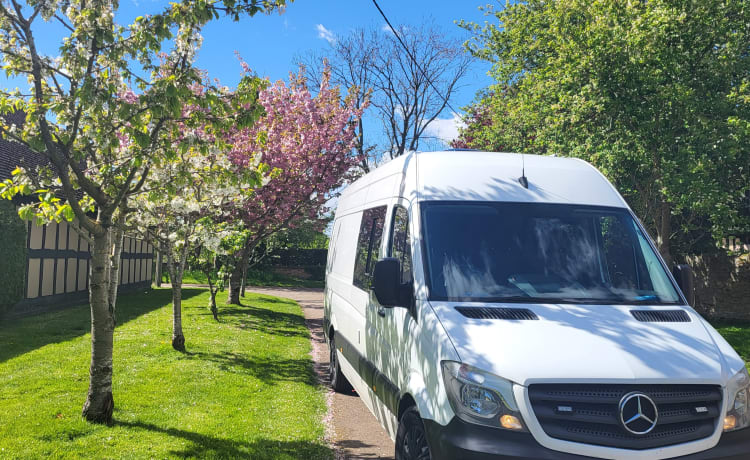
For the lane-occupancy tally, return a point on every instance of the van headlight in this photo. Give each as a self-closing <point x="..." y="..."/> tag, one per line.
<point x="480" y="397"/>
<point x="738" y="391"/>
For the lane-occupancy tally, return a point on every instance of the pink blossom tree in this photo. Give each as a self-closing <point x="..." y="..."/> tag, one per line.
<point x="308" y="140"/>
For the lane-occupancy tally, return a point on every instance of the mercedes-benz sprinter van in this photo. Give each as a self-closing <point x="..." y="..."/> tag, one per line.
<point x="491" y="305"/>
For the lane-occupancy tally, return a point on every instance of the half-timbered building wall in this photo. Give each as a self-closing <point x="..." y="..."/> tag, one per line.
<point x="57" y="268"/>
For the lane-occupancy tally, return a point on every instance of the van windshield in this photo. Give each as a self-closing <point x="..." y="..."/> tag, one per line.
<point x="546" y="253"/>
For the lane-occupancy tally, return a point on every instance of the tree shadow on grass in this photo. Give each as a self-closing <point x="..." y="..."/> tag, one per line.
<point x="266" y="299"/>
<point x="269" y="370"/>
<point x="203" y="446"/>
<point x="264" y="320"/>
<point x="22" y="335"/>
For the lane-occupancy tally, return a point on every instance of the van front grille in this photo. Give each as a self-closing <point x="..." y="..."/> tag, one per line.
<point x="590" y="413"/>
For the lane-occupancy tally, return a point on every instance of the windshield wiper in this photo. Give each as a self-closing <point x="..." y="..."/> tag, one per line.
<point x="648" y="302"/>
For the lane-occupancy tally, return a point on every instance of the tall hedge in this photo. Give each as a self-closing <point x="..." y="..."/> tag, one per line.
<point x="12" y="256"/>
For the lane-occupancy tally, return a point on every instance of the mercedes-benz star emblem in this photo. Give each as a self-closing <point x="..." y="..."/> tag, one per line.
<point x="638" y="413"/>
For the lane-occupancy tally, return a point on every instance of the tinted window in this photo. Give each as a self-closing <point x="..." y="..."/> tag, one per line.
<point x="368" y="246"/>
<point x="401" y="242"/>
<point x="541" y="253"/>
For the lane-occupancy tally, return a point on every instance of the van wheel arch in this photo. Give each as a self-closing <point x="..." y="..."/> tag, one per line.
<point x="406" y="402"/>
<point x="411" y="437"/>
<point x="336" y="377"/>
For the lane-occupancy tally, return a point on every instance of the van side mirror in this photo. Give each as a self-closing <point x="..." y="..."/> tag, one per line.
<point x="684" y="276"/>
<point x="386" y="281"/>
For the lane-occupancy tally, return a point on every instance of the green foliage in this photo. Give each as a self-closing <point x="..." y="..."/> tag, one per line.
<point x="245" y="390"/>
<point x="13" y="260"/>
<point x="307" y="234"/>
<point x="654" y="93"/>
<point x="110" y="105"/>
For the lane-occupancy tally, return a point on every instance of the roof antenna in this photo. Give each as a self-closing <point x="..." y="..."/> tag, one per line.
<point x="523" y="180"/>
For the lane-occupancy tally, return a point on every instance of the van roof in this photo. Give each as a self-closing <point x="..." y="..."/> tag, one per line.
<point x="485" y="176"/>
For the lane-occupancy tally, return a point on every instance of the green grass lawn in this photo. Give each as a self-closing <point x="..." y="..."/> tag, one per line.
<point x="259" y="277"/>
<point x="245" y="389"/>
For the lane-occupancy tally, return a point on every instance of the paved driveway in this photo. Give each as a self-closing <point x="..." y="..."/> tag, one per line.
<point x="353" y="430"/>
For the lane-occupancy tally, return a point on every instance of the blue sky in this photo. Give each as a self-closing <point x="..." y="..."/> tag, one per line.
<point x="270" y="43"/>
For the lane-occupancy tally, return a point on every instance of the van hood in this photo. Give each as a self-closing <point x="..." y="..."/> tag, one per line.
<point x="590" y="343"/>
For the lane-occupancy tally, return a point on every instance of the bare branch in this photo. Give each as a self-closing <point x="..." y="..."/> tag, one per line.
<point x="64" y="23"/>
<point x="410" y="88"/>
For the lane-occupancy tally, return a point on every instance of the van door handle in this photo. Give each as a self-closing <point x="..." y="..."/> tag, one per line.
<point x="381" y="311"/>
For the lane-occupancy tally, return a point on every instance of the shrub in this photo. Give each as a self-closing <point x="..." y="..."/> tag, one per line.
<point x="296" y="257"/>
<point x="13" y="259"/>
<point x="316" y="272"/>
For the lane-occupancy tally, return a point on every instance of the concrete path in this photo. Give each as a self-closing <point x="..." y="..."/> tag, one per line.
<point x="353" y="430"/>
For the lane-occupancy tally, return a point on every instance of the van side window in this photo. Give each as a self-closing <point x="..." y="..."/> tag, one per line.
<point x="332" y="245"/>
<point x="368" y="246"/>
<point x="401" y="242"/>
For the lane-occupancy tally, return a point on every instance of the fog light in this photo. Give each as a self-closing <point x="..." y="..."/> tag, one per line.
<point x="511" y="422"/>
<point x="730" y="421"/>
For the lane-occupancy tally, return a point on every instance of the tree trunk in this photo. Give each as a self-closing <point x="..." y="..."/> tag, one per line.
<point x="235" y="279"/>
<point x="212" y="300"/>
<point x="158" y="268"/>
<point x="664" y="232"/>
<point x="99" y="403"/>
<point x="178" y="338"/>
<point x="117" y="234"/>
<point x="244" y="280"/>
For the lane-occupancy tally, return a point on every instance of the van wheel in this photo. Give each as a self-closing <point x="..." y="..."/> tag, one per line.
<point x="411" y="439"/>
<point x="338" y="381"/>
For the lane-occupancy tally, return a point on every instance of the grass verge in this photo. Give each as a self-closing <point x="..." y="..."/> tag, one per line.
<point x="245" y="389"/>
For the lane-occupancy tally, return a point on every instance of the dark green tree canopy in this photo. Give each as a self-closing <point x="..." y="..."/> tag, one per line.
<point x="654" y="93"/>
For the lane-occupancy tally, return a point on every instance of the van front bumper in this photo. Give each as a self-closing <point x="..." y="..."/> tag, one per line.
<point x="461" y="440"/>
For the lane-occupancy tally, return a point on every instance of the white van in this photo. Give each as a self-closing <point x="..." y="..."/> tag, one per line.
<point x="491" y="305"/>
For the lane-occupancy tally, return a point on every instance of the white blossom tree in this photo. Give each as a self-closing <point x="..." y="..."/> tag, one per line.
<point x="101" y="140"/>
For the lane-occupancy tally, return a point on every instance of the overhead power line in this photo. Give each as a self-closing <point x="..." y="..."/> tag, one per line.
<point x="411" y="56"/>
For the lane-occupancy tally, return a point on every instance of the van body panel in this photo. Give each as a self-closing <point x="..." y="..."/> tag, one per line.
<point x="602" y="343"/>
<point x="391" y="353"/>
<point x="484" y="176"/>
<point x="732" y="362"/>
<point x="428" y="349"/>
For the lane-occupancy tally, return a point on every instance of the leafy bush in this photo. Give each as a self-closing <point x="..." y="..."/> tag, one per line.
<point x="13" y="259"/>
<point x="296" y="257"/>
<point x="316" y="272"/>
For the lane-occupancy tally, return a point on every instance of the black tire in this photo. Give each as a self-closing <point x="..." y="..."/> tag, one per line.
<point x="339" y="383"/>
<point x="411" y="438"/>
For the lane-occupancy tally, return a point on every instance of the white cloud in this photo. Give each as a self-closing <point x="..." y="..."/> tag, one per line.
<point x="445" y="129"/>
<point x="325" y="34"/>
<point x="386" y="28"/>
